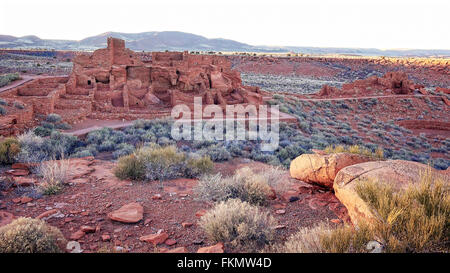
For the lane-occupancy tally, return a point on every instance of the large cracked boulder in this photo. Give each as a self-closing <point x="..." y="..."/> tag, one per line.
<point x="322" y="168"/>
<point x="398" y="173"/>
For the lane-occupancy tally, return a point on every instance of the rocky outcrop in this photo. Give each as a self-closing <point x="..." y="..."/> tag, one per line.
<point x="322" y="168"/>
<point x="398" y="173"/>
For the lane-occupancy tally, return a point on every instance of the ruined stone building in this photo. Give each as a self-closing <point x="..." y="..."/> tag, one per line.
<point x="116" y="83"/>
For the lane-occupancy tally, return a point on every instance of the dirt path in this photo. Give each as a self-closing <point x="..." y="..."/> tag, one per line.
<point x="90" y="125"/>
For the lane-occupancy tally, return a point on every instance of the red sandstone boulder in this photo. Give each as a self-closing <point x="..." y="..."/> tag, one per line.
<point x="77" y="235"/>
<point x="130" y="213"/>
<point x="322" y="169"/>
<point x="201" y="212"/>
<point x="217" y="248"/>
<point x="446" y="101"/>
<point x="443" y="90"/>
<point x="155" y="239"/>
<point x="47" y="214"/>
<point x="398" y="173"/>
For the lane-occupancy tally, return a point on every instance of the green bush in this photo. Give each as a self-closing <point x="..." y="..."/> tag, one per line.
<point x="197" y="166"/>
<point x="9" y="148"/>
<point x="130" y="167"/>
<point x="27" y="235"/>
<point x="18" y="105"/>
<point x="53" y="118"/>
<point x="3" y="111"/>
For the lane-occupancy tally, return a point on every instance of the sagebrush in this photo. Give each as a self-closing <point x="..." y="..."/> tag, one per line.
<point x="28" y="235"/>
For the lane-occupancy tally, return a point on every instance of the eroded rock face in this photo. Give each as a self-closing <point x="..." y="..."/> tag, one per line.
<point x="130" y="213"/>
<point x="322" y="169"/>
<point x="399" y="173"/>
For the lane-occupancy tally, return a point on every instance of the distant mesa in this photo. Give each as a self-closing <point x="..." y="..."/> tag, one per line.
<point x="180" y="41"/>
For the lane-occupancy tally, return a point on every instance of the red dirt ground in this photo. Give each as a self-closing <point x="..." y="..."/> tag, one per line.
<point x="94" y="191"/>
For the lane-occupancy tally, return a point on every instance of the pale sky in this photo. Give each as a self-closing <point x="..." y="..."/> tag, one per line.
<point x="323" y="23"/>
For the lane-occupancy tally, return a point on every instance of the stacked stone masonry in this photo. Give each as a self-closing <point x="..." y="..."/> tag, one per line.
<point x="116" y="83"/>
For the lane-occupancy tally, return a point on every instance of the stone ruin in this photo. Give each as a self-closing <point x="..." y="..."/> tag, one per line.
<point x="117" y="83"/>
<point x="392" y="82"/>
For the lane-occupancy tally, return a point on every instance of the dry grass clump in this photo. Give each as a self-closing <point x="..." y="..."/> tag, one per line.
<point x="240" y="224"/>
<point x="322" y="238"/>
<point x="130" y="167"/>
<point x="54" y="174"/>
<point x="354" y="149"/>
<point x="245" y="185"/>
<point x="414" y="220"/>
<point x="28" y="235"/>
<point x="9" y="148"/>
<point x="306" y="240"/>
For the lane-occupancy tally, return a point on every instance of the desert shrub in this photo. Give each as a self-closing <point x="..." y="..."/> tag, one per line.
<point x="5" y="79"/>
<point x="53" y="118"/>
<point x="198" y="165"/>
<point x="264" y="157"/>
<point x="9" y="148"/>
<point x="355" y="149"/>
<point x="130" y="167"/>
<point x="42" y="131"/>
<point x="123" y="149"/>
<point x="54" y="175"/>
<point x="238" y="223"/>
<point x="82" y="153"/>
<point x="62" y="126"/>
<point x="245" y="185"/>
<point x="217" y="153"/>
<point x="31" y="148"/>
<point x="48" y="125"/>
<point x="3" y="111"/>
<point x="413" y="220"/>
<point x="441" y="163"/>
<point x="306" y="240"/>
<point x="34" y="148"/>
<point x="346" y="239"/>
<point x="18" y="105"/>
<point x="106" y="146"/>
<point x="323" y="238"/>
<point x="161" y="163"/>
<point x="28" y="235"/>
